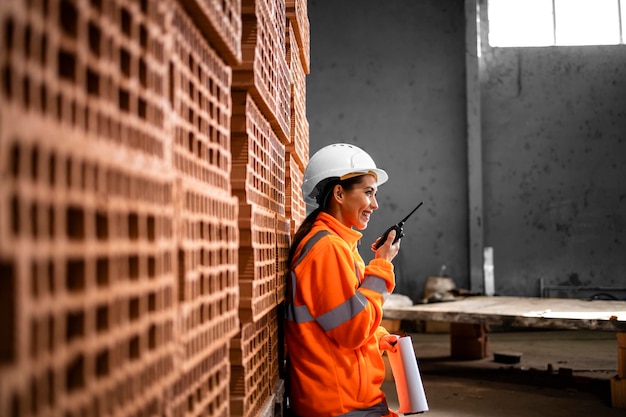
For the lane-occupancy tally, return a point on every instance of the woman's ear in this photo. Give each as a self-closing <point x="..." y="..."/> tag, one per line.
<point x="338" y="193"/>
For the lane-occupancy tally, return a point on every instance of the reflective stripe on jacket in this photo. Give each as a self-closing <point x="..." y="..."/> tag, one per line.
<point x="333" y="313"/>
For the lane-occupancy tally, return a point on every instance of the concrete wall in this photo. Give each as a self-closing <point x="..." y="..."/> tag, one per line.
<point x="554" y="142"/>
<point x="390" y="77"/>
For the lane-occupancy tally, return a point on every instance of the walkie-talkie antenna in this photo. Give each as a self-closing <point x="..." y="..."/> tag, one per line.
<point x="397" y="228"/>
<point x="409" y="215"/>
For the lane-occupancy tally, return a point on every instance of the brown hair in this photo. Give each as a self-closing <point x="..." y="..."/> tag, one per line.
<point x="322" y="200"/>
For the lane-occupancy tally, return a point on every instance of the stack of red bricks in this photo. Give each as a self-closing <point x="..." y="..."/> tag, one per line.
<point x="206" y="209"/>
<point x="264" y="144"/>
<point x="152" y="155"/>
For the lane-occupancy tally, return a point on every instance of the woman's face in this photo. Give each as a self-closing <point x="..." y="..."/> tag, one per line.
<point x="357" y="204"/>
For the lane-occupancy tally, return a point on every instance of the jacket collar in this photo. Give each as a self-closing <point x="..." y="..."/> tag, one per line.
<point x="348" y="234"/>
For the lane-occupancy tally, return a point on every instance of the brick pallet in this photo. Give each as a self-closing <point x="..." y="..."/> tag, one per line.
<point x="152" y="159"/>
<point x="257" y="262"/>
<point x="283" y="242"/>
<point x="201" y="104"/>
<point x="264" y="72"/>
<point x="87" y="211"/>
<point x="298" y="146"/>
<point x="254" y="360"/>
<point x="297" y="14"/>
<point x="220" y="23"/>
<point x="258" y="169"/>
<point x="202" y="387"/>
<point x="295" y="207"/>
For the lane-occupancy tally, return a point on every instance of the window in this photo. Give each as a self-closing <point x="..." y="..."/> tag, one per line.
<point x="556" y="22"/>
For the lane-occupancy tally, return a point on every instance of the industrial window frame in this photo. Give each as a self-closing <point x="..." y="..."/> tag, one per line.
<point x="502" y="24"/>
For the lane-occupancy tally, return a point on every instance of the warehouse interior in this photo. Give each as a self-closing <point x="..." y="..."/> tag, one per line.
<point x="152" y="154"/>
<point x="515" y="149"/>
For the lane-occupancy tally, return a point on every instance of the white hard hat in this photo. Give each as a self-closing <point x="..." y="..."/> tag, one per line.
<point x="337" y="161"/>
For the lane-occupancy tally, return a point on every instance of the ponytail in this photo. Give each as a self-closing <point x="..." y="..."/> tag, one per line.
<point x="322" y="201"/>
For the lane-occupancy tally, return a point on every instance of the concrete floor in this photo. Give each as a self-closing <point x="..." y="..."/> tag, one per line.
<point x="561" y="373"/>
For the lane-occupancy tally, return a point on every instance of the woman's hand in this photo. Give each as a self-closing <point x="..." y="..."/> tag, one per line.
<point x="388" y="250"/>
<point x="388" y="342"/>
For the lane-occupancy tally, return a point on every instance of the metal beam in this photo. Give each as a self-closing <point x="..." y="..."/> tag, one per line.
<point x="474" y="144"/>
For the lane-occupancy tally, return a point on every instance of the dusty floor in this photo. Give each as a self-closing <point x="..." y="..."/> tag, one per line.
<point x="561" y="373"/>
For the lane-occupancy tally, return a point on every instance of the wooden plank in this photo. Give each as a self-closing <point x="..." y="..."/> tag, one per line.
<point x="553" y="313"/>
<point x="621" y="355"/>
<point x="618" y="392"/>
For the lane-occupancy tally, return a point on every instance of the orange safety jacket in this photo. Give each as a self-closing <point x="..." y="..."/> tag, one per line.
<point x="332" y="326"/>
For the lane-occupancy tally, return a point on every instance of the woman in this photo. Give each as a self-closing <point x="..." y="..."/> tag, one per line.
<point x="334" y="301"/>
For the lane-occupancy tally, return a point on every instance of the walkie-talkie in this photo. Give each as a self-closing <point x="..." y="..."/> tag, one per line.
<point x="397" y="228"/>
